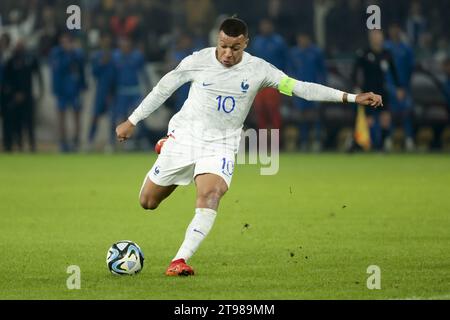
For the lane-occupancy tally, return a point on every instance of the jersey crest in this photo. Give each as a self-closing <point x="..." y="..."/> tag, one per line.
<point x="244" y="86"/>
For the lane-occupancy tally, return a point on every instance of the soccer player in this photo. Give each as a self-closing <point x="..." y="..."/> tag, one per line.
<point x="204" y="135"/>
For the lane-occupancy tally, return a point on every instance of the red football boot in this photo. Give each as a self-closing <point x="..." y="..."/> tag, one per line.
<point x="179" y="268"/>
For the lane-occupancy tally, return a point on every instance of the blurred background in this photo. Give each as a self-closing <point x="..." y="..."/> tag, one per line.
<point x="66" y="90"/>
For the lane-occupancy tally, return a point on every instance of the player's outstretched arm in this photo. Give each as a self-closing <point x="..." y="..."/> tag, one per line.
<point x="163" y="90"/>
<point x="317" y="92"/>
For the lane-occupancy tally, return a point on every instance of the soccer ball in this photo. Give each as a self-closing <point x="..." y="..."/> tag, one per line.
<point x="125" y="258"/>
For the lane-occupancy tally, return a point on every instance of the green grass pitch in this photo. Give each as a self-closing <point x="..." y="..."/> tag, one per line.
<point x="312" y="230"/>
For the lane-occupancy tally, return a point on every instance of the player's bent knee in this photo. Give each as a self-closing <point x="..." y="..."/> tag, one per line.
<point x="148" y="203"/>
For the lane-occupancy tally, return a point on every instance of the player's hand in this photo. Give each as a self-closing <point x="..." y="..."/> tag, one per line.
<point x="124" y="130"/>
<point x="369" y="99"/>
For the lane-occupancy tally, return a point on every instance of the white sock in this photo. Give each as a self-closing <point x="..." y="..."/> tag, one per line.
<point x="197" y="230"/>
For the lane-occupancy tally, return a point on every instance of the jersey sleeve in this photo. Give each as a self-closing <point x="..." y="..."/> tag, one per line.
<point x="273" y="76"/>
<point x="163" y="90"/>
<point x="277" y="79"/>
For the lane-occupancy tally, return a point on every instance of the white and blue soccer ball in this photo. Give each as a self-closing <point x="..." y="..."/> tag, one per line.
<point x="125" y="258"/>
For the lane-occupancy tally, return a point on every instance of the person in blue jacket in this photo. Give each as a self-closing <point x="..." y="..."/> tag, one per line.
<point x="129" y="64"/>
<point x="68" y="82"/>
<point x="103" y="71"/>
<point x="401" y="109"/>
<point x="306" y="62"/>
<point x="271" y="47"/>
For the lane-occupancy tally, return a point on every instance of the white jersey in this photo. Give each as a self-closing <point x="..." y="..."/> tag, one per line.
<point x="219" y="98"/>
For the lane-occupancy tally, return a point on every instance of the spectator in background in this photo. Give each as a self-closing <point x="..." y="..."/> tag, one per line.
<point x="370" y="74"/>
<point x="19" y="27"/>
<point x="158" y="26"/>
<point x="104" y="73"/>
<point x="446" y="67"/>
<point x="129" y="64"/>
<point x="343" y="18"/>
<point x="199" y="14"/>
<point x="416" y="23"/>
<point x="401" y="110"/>
<point x="271" y="47"/>
<point x="289" y="16"/>
<point x="68" y="78"/>
<point x="124" y="23"/>
<point x="442" y="50"/>
<point x="424" y="50"/>
<point x="306" y="63"/>
<point x="5" y="53"/>
<point x="18" y="110"/>
<point x="47" y="31"/>
<point x="98" y="28"/>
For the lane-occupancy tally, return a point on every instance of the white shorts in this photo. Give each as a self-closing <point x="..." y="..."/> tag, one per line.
<point x="180" y="162"/>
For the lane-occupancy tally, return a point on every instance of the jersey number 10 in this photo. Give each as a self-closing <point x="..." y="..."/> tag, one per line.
<point x="227" y="103"/>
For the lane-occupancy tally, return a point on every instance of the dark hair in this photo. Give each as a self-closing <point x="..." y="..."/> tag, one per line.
<point x="234" y="27"/>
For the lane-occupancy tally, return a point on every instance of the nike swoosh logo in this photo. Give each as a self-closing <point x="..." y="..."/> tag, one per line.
<point x="206" y="84"/>
<point x="195" y="230"/>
